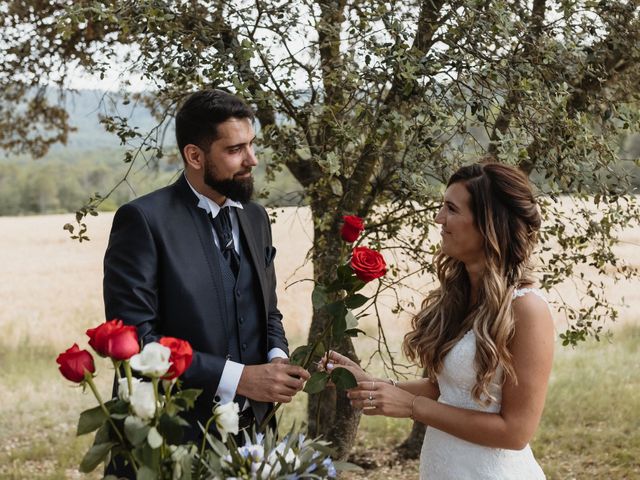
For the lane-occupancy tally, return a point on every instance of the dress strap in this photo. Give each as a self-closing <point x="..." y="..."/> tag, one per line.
<point x="521" y="292"/>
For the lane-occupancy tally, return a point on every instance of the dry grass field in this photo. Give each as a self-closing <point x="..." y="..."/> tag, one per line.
<point x="50" y="293"/>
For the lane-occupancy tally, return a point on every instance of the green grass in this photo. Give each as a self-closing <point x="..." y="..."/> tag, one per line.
<point x="591" y="423"/>
<point x="590" y="427"/>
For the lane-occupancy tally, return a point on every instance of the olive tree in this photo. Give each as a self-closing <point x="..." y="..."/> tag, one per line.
<point x="370" y="105"/>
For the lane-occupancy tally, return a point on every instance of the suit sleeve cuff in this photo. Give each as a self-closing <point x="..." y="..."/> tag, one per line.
<point x="229" y="382"/>
<point x="276" y="353"/>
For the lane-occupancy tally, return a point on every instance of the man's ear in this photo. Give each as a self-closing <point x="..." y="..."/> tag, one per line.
<point x="193" y="156"/>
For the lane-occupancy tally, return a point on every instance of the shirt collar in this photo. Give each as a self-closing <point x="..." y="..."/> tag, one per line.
<point x="209" y="205"/>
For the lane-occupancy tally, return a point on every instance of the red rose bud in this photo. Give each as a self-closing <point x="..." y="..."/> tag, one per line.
<point x="114" y="339"/>
<point x="351" y="228"/>
<point x="181" y="356"/>
<point x="367" y="264"/>
<point x="74" y="362"/>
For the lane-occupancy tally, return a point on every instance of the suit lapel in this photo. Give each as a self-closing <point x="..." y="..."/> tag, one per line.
<point x="204" y="233"/>
<point x="256" y="255"/>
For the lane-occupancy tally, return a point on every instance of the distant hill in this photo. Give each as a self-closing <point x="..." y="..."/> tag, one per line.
<point x="92" y="162"/>
<point x="85" y="106"/>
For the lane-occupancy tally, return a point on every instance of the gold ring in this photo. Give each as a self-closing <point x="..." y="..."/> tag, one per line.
<point x="371" y="402"/>
<point x="370" y="396"/>
<point x="373" y="385"/>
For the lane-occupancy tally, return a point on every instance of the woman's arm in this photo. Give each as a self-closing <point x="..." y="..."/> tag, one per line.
<point x="522" y="403"/>
<point x="422" y="387"/>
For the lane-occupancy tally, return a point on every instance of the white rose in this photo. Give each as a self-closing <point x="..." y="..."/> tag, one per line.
<point x="123" y="388"/>
<point x="227" y="417"/>
<point x="143" y="401"/>
<point x="152" y="361"/>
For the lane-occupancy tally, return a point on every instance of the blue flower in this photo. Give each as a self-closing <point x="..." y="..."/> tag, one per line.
<point x="331" y="469"/>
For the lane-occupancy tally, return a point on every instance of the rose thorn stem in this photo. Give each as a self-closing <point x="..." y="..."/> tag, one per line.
<point x="89" y="379"/>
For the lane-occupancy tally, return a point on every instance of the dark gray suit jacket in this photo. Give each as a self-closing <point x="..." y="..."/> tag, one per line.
<point x="161" y="275"/>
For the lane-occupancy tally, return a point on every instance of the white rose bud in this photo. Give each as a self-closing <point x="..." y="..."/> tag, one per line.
<point x="152" y="361"/>
<point x="143" y="401"/>
<point x="123" y="388"/>
<point x="227" y="418"/>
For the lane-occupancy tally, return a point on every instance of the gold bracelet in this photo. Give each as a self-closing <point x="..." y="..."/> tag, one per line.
<point x="412" y="416"/>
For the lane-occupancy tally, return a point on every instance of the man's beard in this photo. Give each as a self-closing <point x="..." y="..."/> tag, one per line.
<point x="237" y="189"/>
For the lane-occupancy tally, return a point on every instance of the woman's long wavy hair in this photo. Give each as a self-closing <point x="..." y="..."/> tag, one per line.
<point x="506" y="214"/>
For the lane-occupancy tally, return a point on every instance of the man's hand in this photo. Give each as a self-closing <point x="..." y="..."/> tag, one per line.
<point x="272" y="382"/>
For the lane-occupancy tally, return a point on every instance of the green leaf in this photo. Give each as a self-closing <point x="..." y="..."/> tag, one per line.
<point x="336" y="309"/>
<point x="91" y="420"/>
<point x="187" y="398"/>
<point x="347" y="467"/>
<point x="345" y="273"/>
<point x="354" y="332"/>
<point x="317" y="382"/>
<point x="146" y="473"/>
<point x="357" y="285"/>
<point x="346" y="280"/>
<point x="356" y="301"/>
<point x="343" y="378"/>
<point x="171" y="428"/>
<point x="103" y="435"/>
<point x="338" y="327"/>
<point x="135" y="430"/>
<point x="95" y="455"/>
<point x="319" y="297"/>
<point x="299" y="354"/>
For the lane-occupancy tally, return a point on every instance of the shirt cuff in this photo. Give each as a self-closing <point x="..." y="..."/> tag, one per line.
<point x="276" y="353"/>
<point x="229" y="381"/>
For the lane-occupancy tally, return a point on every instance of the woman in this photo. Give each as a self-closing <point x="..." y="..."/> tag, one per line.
<point x="484" y="337"/>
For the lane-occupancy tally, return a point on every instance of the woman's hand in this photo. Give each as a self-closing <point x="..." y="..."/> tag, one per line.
<point x="381" y="398"/>
<point x="334" y="359"/>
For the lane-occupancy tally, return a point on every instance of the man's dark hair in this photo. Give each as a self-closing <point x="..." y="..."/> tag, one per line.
<point x="198" y="118"/>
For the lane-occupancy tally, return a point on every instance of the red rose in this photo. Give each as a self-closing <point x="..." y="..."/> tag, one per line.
<point x="74" y="362"/>
<point x="181" y="356"/>
<point x="114" y="339"/>
<point x="368" y="264"/>
<point x="351" y="228"/>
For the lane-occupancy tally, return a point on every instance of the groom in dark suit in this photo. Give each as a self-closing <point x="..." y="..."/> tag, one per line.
<point x="194" y="260"/>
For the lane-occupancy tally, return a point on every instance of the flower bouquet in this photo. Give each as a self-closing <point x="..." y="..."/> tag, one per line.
<point x="264" y="457"/>
<point x="142" y="424"/>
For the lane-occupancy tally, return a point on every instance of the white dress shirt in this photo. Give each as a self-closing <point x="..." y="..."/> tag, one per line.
<point x="232" y="370"/>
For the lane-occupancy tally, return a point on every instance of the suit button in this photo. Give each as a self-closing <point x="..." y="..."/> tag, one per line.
<point x="237" y="293"/>
<point x="216" y="399"/>
<point x="241" y="320"/>
<point x="244" y="346"/>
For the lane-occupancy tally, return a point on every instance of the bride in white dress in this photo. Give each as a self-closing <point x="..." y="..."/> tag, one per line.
<point x="484" y="337"/>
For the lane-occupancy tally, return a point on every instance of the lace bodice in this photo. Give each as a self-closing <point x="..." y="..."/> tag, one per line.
<point x="447" y="457"/>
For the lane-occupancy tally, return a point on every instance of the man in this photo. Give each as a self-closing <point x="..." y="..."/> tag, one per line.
<point x="194" y="260"/>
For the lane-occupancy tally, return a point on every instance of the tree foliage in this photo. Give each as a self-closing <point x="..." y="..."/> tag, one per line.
<point x="371" y="105"/>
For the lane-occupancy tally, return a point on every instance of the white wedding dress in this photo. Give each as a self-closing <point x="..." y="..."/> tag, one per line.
<point x="445" y="457"/>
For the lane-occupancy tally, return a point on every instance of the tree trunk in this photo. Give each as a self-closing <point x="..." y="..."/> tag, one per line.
<point x="329" y="412"/>
<point x="410" y="448"/>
